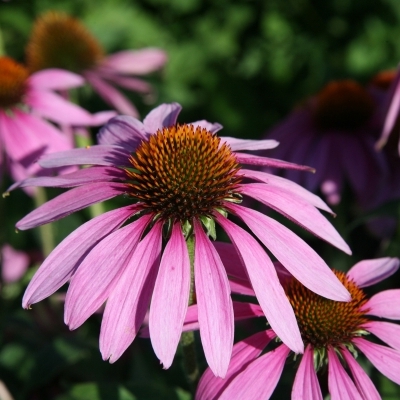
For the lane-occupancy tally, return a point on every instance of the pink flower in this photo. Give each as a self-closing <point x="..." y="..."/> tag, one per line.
<point x="14" y="264"/>
<point x="182" y="179"/>
<point x="53" y="45"/>
<point x="331" y="332"/>
<point x="26" y="101"/>
<point x="335" y="132"/>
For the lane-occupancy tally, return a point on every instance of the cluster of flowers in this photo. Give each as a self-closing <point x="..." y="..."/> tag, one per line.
<point x="152" y="261"/>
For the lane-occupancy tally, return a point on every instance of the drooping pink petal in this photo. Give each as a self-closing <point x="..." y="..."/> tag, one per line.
<point x="244" y="352"/>
<point x="162" y="116"/>
<point x="297" y="210"/>
<point x="385" y="304"/>
<point x="232" y="262"/>
<point x="124" y="131"/>
<point x="81" y="177"/>
<point x="288" y="185"/>
<point x="386" y="331"/>
<point x="259" y="379"/>
<point x="55" y="79"/>
<point x="251" y="159"/>
<point x="170" y="298"/>
<point x="14" y="263"/>
<point x="69" y="202"/>
<point x="111" y="95"/>
<point x="212" y="127"/>
<point x="62" y="262"/>
<point x="100" y="272"/>
<point x="137" y="62"/>
<point x="306" y="385"/>
<point x="99" y="118"/>
<point x="106" y="155"/>
<point x="363" y="382"/>
<point x="368" y="272"/>
<point x="294" y="254"/>
<point x="129" y="300"/>
<point x="341" y="387"/>
<point x="384" y="359"/>
<point x="214" y="303"/>
<point x="249" y="144"/>
<point x="127" y="82"/>
<point x="266" y="285"/>
<point x="241" y="287"/>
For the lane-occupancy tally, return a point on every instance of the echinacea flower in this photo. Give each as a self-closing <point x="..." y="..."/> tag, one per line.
<point x="181" y="178"/>
<point x="335" y="132"/>
<point x="331" y="332"/>
<point x="26" y="101"/>
<point x="61" y="41"/>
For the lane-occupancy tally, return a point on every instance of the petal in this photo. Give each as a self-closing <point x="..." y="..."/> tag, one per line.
<point x="162" y="116"/>
<point x="69" y="202"/>
<point x="266" y="285"/>
<point x="241" y="287"/>
<point x="259" y="379"/>
<point x="214" y="303"/>
<point x="136" y="62"/>
<point x="210" y="126"/>
<point x="297" y="210"/>
<point x="288" y="185"/>
<point x="62" y="262"/>
<point x="170" y="298"/>
<point x="385" y="304"/>
<point x="100" y="271"/>
<point x="368" y="272"/>
<point x="270" y="162"/>
<point x="128" y="303"/>
<point x="341" y="387"/>
<point x="244" y="352"/>
<point x="384" y="359"/>
<point x="134" y="84"/>
<point x="124" y="131"/>
<point x="386" y="331"/>
<point x="92" y="155"/>
<point x="231" y="260"/>
<point x="306" y="385"/>
<point x="248" y="144"/>
<point x="14" y="264"/>
<point x="55" y="79"/>
<point x="294" y="254"/>
<point x="362" y="380"/>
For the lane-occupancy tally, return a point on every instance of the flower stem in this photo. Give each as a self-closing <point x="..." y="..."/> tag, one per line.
<point x="187" y="339"/>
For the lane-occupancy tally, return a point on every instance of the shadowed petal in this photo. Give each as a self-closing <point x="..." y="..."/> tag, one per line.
<point x="55" y="79"/>
<point x="385" y="304"/>
<point x="361" y="379"/>
<point x="128" y="303"/>
<point x="251" y="384"/>
<point x="297" y="210"/>
<point x="248" y="144"/>
<point x="170" y="298"/>
<point x="212" y="127"/>
<point x="244" y="352"/>
<point x="214" y="303"/>
<point x="100" y="271"/>
<point x="127" y="82"/>
<point x="266" y="285"/>
<point x="62" y="262"/>
<point x="306" y="385"/>
<point x="162" y="116"/>
<point x="232" y="262"/>
<point x="384" y="359"/>
<point x="386" y="331"/>
<point x="69" y="202"/>
<point x="368" y="272"/>
<point x="294" y="254"/>
<point x="341" y="387"/>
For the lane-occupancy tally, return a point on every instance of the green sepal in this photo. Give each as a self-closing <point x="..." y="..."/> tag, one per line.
<point x="209" y="224"/>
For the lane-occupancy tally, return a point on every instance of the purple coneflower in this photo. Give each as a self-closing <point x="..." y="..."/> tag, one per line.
<point x="61" y="41"/>
<point x="181" y="178"/>
<point x="335" y="132"/>
<point x="331" y="332"/>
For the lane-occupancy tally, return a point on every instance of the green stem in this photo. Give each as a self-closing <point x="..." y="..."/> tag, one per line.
<point x="46" y="231"/>
<point x="187" y="339"/>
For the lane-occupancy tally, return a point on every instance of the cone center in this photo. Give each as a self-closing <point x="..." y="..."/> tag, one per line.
<point x="13" y="78"/>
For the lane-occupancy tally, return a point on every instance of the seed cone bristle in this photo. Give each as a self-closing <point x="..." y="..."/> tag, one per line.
<point x="13" y="78"/>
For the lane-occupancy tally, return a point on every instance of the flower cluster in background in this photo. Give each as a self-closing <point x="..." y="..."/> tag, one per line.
<point x="158" y="258"/>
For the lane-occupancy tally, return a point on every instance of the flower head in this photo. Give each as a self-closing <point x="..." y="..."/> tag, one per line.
<point x="335" y="132"/>
<point x="61" y="41"/>
<point x="331" y="332"/>
<point x="181" y="179"/>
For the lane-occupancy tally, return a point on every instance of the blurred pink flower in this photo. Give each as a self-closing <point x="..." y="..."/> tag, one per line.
<point x="14" y="264"/>
<point x="331" y="332"/>
<point x="182" y="179"/>
<point x="26" y="101"/>
<point x="335" y="132"/>
<point x="53" y="45"/>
